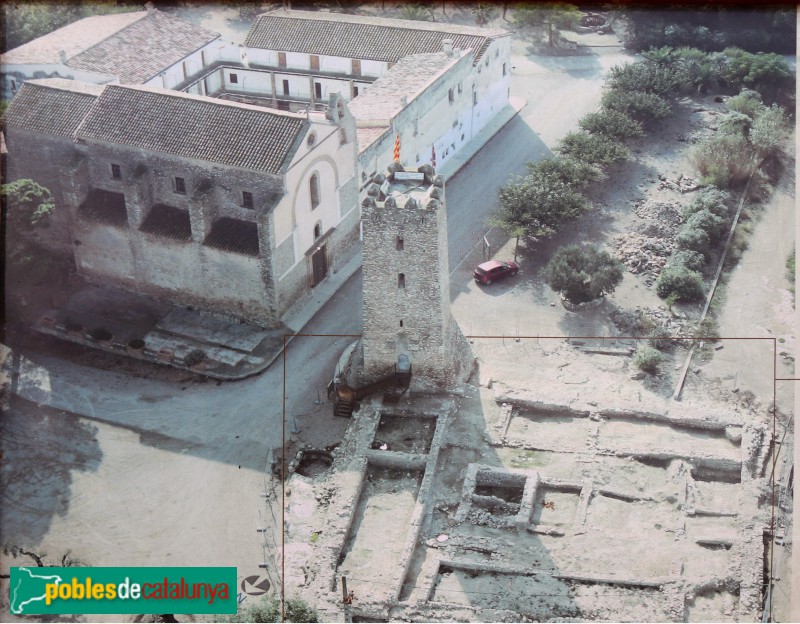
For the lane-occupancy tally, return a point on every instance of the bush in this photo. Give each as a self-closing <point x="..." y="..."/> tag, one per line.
<point x="712" y="200"/>
<point x="644" y="107"/>
<point x="748" y="102"/>
<point x="765" y="73"/>
<point x="723" y="160"/>
<point x="583" y="273"/>
<point x="269" y="610"/>
<point x="613" y="124"/>
<point x="646" y="77"/>
<point x="570" y="171"/>
<point x="710" y="223"/>
<point x="768" y="131"/>
<point x="591" y="148"/>
<point x="660" y="338"/>
<point x="195" y="356"/>
<point x="680" y="283"/>
<point x="693" y="239"/>
<point x="647" y="359"/>
<point x="692" y="260"/>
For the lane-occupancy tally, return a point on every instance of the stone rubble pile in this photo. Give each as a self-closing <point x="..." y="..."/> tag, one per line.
<point x="645" y="249"/>
<point x="681" y="184"/>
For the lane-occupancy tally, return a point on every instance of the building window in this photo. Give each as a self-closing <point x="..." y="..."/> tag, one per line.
<point x="342" y="136"/>
<point x="355" y="91"/>
<point x="13" y="85"/>
<point x="399" y="243"/>
<point x="180" y="185"/>
<point x="317" y="230"/>
<point x="497" y="52"/>
<point x="247" y="199"/>
<point x="401" y="280"/>
<point x="486" y="62"/>
<point x="504" y="69"/>
<point x="284" y="106"/>
<point x="314" y="62"/>
<point x="460" y="88"/>
<point x="356" y="67"/>
<point x="312" y="138"/>
<point x="313" y="186"/>
<point x="474" y="98"/>
<point x="450" y="96"/>
<point x="234" y="78"/>
<point x="401" y="322"/>
<point x="318" y="90"/>
<point x="286" y="87"/>
<point x="116" y="172"/>
<point x="281" y="59"/>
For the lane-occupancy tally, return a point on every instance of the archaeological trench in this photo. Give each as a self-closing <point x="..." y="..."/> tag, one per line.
<point x="488" y="504"/>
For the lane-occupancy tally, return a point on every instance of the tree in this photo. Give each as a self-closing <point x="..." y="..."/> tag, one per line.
<point x="679" y="283"/>
<point x="537" y="205"/>
<point x="549" y="15"/>
<point x="26" y="206"/>
<point x="660" y="75"/>
<point x="484" y="12"/>
<point x="613" y="124"/>
<point x="570" y="171"/>
<point x="583" y="273"/>
<point x="416" y="11"/>
<point x="644" y="107"/>
<point x="595" y="149"/>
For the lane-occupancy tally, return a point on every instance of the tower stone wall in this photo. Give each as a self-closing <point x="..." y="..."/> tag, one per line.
<point x="406" y="280"/>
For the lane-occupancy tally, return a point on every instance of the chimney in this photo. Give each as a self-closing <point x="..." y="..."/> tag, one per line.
<point x="62" y="56"/>
<point x="149" y="6"/>
<point x="447" y="46"/>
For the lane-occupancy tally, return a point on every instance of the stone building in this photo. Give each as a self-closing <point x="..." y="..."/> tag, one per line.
<point x="144" y="47"/>
<point x="189" y="199"/>
<point x="407" y="280"/>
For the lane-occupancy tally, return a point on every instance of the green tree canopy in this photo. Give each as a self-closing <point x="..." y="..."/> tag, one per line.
<point x="583" y="273"/>
<point x="548" y="15"/>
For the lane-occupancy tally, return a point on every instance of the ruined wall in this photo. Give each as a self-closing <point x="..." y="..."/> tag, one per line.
<point x="406" y="292"/>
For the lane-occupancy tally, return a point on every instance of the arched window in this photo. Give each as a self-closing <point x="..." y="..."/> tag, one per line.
<point x="313" y="186"/>
<point x="317" y="230"/>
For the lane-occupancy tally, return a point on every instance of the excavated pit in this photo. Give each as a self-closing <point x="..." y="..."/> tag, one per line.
<point x="408" y="434"/>
<point x="314" y="463"/>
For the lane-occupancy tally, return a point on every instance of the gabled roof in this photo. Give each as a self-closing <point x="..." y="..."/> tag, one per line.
<point x="196" y="127"/>
<point x="361" y="37"/>
<point x="73" y="39"/>
<point x="51" y="106"/>
<point x="140" y="51"/>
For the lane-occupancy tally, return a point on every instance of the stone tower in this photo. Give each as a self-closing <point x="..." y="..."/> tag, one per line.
<point x="407" y="280"/>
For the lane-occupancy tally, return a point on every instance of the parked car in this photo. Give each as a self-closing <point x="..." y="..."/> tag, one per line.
<point x="494" y="270"/>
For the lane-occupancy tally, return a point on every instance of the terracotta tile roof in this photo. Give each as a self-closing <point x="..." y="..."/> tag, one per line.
<point x="51" y="106"/>
<point x="392" y="92"/>
<point x="73" y="39"/>
<point x="195" y="127"/>
<point x="361" y="37"/>
<point x="140" y="51"/>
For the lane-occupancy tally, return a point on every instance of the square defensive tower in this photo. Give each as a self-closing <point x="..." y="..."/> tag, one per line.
<point x="407" y="280"/>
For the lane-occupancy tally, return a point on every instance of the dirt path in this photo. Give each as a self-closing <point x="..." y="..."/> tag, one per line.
<point x="759" y="304"/>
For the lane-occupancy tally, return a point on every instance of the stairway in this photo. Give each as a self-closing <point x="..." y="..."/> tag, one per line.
<point x="344" y="408"/>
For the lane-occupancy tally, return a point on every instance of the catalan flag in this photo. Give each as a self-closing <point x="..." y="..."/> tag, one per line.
<point x="397" y="147"/>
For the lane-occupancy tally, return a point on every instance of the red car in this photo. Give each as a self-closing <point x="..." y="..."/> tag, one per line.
<point x="494" y="270"/>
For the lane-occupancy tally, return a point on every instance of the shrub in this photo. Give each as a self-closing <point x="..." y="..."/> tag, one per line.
<point x="647" y="359"/>
<point x="570" y="171"/>
<point x="660" y="338"/>
<point x="693" y="239"/>
<point x="791" y="268"/>
<point x="747" y="102"/>
<point x="768" y="131"/>
<point x="680" y="283"/>
<point x="583" y="273"/>
<point x="195" y="356"/>
<point x="723" y="160"/>
<point x="644" y="107"/>
<point x="710" y="223"/>
<point x="648" y="76"/>
<point x="269" y="610"/>
<point x="711" y="199"/>
<point x="613" y="124"/>
<point x="736" y="124"/>
<point x="765" y="73"/>
<point x="692" y="260"/>
<point x="591" y="148"/>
